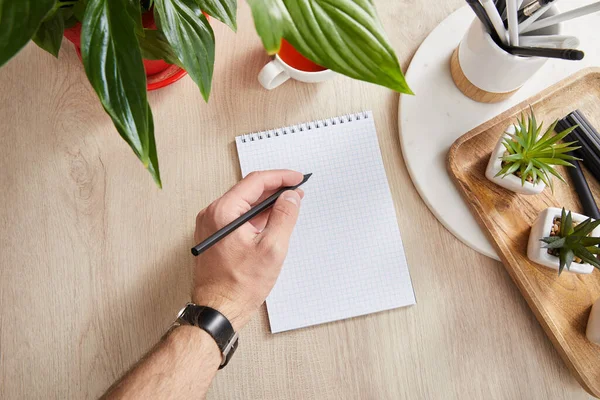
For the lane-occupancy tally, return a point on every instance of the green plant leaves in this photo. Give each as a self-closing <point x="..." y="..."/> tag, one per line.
<point x="113" y="63"/>
<point x="534" y="155"/>
<point x="574" y="242"/>
<point x="134" y="11"/>
<point x="344" y="35"/>
<point x="49" y="35"/>
<point x="19" y="20"/>
<point x="223" y="10"/>
<point x="191" y="37"/>
<point x="270" y="22"/>
<point x="154" y="46"/>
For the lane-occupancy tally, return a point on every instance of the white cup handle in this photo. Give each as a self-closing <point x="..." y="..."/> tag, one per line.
<point x="272" y="75"/>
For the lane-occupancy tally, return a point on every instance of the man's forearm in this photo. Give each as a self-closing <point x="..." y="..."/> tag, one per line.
<point x="181" y="366"/>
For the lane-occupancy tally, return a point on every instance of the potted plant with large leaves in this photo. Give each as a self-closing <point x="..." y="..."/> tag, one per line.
<point x="114" y="41"/>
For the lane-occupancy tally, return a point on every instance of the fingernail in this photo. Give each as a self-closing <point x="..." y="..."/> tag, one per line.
<point x="292" y="197"/>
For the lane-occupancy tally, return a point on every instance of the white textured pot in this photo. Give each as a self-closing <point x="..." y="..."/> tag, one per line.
<point x="541" y="228"/>
<point x="491" y="69"/>
<point x="593" y="326"/>
<point x="510" y="182"/>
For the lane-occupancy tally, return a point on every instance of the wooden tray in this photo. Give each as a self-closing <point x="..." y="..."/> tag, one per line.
<point x="561" y="305"/>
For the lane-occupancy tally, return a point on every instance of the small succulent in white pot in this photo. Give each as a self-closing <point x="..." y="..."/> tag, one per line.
<point x="523" y="160"/>
<point x="560" y="239"/>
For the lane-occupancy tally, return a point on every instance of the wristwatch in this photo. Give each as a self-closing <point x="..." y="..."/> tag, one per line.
<point x="214" y="323"/>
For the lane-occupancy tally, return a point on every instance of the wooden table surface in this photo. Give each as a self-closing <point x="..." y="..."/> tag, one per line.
<point x="95" y="259"/>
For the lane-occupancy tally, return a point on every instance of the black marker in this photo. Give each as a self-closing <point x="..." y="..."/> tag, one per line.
<point x="565" y="54"/>
<point x="242" y="219"/>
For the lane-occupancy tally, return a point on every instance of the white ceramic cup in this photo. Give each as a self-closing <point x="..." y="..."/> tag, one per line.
<point x="492" y="69"/>
<point x="277" y="72"/>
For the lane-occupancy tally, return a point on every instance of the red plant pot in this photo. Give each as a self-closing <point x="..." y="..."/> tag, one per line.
<point x="158" y="72"/>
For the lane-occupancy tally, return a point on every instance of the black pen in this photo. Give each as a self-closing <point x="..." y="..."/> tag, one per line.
<point x="565" y="54"/>
<point x="485" y="20"/>
<point x="590" y="208"/>
<point x="501" y="6"/>
<point x="241" y="220"/>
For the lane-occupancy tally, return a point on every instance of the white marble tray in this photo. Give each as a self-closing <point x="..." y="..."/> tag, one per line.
<point x="439" y="113"/>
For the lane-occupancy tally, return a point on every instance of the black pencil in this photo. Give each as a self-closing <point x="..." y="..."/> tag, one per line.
<point x="485" y="20"/>
<point x="590" y="159"/>
<point x="586" y="127"/>
<point x="241" y="220"/>
<point x="583" y="191"/>
<point x="590" y="208"/>
<point x="501" y="6"/>
<point x="565" y="54"/>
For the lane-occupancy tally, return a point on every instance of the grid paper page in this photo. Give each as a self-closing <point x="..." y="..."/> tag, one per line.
<point x="345" y="257"/>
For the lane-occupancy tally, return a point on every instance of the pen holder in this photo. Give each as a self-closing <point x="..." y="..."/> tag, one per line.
<point x="485" y="73"/>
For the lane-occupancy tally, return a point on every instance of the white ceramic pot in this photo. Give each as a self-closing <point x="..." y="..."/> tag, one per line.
<point x="510" y="182"/>
<point x="541" y="228"/>
<point x="489" y="68"/>
<point x="593" y="326"/>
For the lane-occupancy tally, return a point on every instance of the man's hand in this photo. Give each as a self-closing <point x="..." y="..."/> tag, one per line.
<point x="235" y="275"/>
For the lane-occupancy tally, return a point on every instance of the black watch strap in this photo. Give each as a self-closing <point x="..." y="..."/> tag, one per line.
<point x="215" y="324"/>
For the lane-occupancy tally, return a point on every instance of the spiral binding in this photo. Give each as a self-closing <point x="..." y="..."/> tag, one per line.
<point x="320" y="123"/>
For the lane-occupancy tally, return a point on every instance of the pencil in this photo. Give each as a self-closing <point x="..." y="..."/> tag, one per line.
<point x="565" y="54"/>
<point x="590" y="208"/>
<point x="495" y="19"/>
<point x="241" y="220"/>
<point x="566" y="16"/>
<point x="513" y="29"/>
<point x="485" y="20"/>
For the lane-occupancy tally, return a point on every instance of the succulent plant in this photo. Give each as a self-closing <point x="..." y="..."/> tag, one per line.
<point x="573" y="242"/>
<point x="532" y="156"/>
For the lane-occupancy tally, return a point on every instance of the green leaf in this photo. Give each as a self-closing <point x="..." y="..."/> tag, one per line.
<point x="344" y="35"/>
<point x="593" y="249"/>
<point x="556" y="138"/>
<point x="590" y="241"/>
<point x="566" y="258"/>
<point x="223" y="10"/>
<point x="270" y="19"/>
<point x="113" y="63"/>
<point x="154" y="46"/>
<point x="532" y="129"/>
<point x="79" y="9"/>
<point x="523" y="176"/>
<point x="50" y="33"/>
<point x="586" y="227"/>
<point x="512" y="157"/>
<point x="510" y="146"/>
<point x="587" y="256"/>
<point x="567" y="223"/>
<point x="550" y="239"/>
<point x="556" y="244"/>
<point x="554" y="161"/>
<point x="152" y="153"/>
<point x="135" y="13"/>
<point x="19" y="20"/>
<point x="191" y="37"/>
<point x="563" y="217"/>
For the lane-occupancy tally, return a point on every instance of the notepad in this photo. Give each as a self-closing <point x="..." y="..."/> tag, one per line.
<point x="345" y="257"/>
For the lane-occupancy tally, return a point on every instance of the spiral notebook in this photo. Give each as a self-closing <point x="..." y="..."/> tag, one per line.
<point x="345" y="257"/>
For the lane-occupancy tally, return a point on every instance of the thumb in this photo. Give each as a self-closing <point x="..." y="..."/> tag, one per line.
<point x="283" y="216"/>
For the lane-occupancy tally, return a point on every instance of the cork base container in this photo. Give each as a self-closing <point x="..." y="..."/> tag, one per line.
<point x="469" y="89"/>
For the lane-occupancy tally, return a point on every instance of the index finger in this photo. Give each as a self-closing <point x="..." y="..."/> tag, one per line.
<point x="256" y="183"/>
